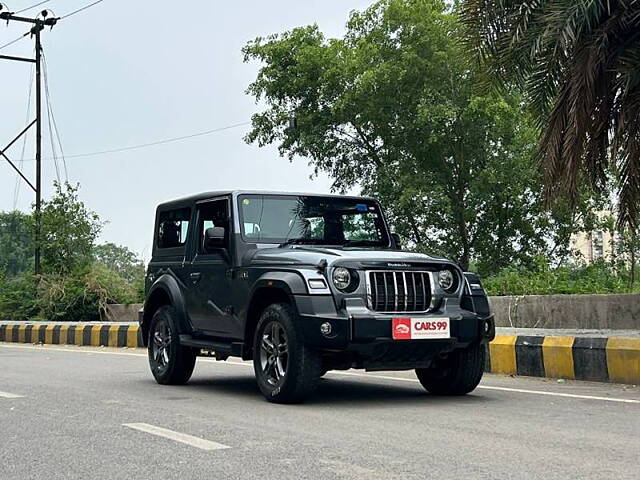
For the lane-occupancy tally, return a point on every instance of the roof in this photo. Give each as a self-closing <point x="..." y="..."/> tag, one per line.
<point x="206" y="195"/>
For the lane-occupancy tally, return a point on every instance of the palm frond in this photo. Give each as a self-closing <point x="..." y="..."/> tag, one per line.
<point x="578" y="62"/>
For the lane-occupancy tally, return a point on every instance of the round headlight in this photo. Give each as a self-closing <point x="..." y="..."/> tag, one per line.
<point x="447" y="280"/>
<point x="341" y="278"/>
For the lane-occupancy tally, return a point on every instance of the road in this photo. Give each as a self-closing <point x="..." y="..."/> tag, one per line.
<point x="85" y="413"/>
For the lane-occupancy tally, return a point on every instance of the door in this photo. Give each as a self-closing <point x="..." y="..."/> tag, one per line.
<point x="210" y="300"/>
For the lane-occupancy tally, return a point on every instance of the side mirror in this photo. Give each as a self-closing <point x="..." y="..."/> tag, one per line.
<point x="213" y="238"/>
<point x="397" y="242"/>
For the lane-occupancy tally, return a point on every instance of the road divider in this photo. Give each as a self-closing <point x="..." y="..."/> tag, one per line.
<point x="80" y="334"/>
<point x="599" y="359"/>
<point x="596" y="359"/>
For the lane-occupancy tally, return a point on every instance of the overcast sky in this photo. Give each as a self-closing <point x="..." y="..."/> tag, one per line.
<point x="124" y="73"/>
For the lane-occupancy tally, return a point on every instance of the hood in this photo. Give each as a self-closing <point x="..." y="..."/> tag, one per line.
<point x="354" y="257"/>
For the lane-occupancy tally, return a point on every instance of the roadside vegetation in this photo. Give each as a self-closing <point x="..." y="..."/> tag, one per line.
<point x="79" y="278"/>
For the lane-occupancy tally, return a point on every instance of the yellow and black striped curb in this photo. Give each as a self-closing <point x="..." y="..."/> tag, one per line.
<point x="96" y="335"/>
<point x="597" y="359"/>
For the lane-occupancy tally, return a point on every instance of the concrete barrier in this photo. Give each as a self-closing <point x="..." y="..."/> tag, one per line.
<point x="616" y="312"/>
<point x="80" y="334"/>
<point x="122" y="313"/>
<point x="595" y="358"/>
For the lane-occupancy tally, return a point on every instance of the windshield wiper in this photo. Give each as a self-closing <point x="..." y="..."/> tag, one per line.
<point x="294" y="241"/>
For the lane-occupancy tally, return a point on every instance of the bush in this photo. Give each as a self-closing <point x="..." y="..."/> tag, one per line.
<point x="19" y="298"/>
<point x="598" y="277"/>
<point x="80" y="296"/>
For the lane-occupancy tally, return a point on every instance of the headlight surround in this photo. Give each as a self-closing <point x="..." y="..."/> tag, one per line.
<point x="344" y="279"/>
<point x="448" y="280"/>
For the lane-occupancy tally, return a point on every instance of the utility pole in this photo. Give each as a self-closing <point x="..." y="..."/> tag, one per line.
<point x="38" y="25"/>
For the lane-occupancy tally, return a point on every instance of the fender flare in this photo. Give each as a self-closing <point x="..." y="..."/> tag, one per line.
<point x="291" y="282"/>
<point x="168" y="286"/>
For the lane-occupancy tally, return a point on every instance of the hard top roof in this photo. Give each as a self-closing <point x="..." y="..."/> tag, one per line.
<point x="207" y="195"/>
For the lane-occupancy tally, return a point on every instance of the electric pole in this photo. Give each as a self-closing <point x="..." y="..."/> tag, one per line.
<point x="38" y="25"/>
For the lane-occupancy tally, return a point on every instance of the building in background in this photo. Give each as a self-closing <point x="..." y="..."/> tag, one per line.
<point x="599" y="244"/>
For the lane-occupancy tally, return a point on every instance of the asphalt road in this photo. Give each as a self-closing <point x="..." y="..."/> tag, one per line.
<point x="83" y="413"/>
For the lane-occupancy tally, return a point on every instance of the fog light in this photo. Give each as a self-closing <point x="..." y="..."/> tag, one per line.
<point x="325" y="328"/>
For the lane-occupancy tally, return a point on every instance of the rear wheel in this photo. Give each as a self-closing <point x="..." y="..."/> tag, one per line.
<point x="457" y="374"/>
<point x="287" y="371"/>
<point x="170" y="362"/>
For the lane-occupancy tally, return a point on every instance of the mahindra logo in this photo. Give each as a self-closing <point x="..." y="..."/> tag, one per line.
<point x="402" y="328"/>
<point x="398" y="265"/>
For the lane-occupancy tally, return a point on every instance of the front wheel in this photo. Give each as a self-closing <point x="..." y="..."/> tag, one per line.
<point x="170" y="362"/>
<point x="457" y="374"/>
<point x="287" y="371"/>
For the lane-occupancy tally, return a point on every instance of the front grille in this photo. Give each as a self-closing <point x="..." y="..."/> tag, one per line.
<point x="389" y="291"/>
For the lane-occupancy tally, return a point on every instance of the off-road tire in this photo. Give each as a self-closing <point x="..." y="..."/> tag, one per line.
<point x="304" y="365"/>
<point x="181" y="360"/>
<point x="457" y="374"/>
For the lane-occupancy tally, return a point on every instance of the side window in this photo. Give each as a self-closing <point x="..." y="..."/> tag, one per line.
<point x="173" y="227"/>
<point x="213" y="214"/>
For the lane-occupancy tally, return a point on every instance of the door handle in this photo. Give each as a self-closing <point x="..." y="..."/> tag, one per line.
<point x="195" y="277"/>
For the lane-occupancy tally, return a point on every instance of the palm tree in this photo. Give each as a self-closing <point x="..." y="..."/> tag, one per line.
<point x="578" y="62"/>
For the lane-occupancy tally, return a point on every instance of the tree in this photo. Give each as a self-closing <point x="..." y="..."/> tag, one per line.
<point x="16" y="243"/>
<point x="392" y="107"/>
<point x="578" y="62"/>
<point x="120" y="260"/>
<point x="69" y="231"/>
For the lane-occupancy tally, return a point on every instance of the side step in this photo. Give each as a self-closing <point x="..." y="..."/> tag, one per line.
<point x="234" y="349"/>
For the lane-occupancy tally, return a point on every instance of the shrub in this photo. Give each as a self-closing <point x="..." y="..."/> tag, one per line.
<point x="80" y="296"/>
<point x="598" y="277"/>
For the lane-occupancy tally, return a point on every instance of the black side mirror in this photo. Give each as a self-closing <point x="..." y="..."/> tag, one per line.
<point x="213" y="239"/>
<point x="397" y="242"/>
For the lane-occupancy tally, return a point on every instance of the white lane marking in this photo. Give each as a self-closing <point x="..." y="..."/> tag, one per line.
<point x="200" y="443"/>
<point x="559" y="394"/>
<point x="354" y="374"/>
<point x="10" y="395"/>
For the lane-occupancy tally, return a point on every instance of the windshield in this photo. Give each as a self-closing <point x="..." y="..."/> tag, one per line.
<point x="312" y="221"/>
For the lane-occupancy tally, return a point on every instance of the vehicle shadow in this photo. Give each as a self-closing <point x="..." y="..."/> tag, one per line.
<point x="339" y="391"/>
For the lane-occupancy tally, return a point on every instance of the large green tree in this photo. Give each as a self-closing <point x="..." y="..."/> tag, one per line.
<point x="392" y="107"/>
<point x="69" y="231"/>
<point x="579" y="63"/>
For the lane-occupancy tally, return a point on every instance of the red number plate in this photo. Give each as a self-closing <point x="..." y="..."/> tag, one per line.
<point x="405" y="328"/>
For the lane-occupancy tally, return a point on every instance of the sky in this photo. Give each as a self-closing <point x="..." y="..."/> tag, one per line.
<point x="125" y="73"/>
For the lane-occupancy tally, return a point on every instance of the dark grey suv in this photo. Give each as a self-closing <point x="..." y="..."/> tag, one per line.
<point x="302" y="284"/>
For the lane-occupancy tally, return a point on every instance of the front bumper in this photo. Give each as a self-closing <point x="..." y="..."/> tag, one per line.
<point x="367" y="336"/>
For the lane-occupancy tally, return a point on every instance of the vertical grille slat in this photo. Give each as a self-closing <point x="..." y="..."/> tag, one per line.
<point x="415" y="297"/>
<point x="399" y="291"/>
<point x="405" y="294"/>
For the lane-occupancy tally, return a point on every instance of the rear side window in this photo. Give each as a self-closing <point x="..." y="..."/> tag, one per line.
<point x="173" y="227"/>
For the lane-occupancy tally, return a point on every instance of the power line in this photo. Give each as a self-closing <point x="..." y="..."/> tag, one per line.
<point x="80" y="9"/>
<point x="52" y="121"/>
<point x="14" y="41"/>
<point x="153" y="144"/>
<point x="53" y="146"/>
<point x="32" y="6"/>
